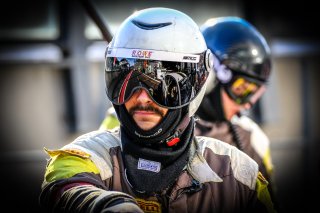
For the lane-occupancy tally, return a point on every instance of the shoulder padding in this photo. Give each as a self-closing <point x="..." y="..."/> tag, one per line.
<point x="244" y="168"/>
<point x="258" y="139"/>
<point x="97" y="144"/>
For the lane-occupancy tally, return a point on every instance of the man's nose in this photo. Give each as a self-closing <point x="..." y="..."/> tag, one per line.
<point x="143" y="96"/>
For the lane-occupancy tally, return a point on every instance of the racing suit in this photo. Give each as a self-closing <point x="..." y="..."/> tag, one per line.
<point x="88" y="175"/>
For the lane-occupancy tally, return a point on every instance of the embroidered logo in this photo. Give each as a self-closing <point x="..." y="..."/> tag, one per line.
<point x="149" y="165"/>
<point x="149" y="136"/>
<point x="149" y="206"/>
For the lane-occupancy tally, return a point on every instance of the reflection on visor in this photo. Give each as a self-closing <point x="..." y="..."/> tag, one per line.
<point x="170" y="84"/>
<point x="241" y="90"/>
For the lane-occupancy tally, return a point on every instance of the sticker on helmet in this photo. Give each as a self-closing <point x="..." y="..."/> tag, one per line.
<point x="152" y="55"/>
<point x="223" y="73"/>
<point x="141" y="53"/>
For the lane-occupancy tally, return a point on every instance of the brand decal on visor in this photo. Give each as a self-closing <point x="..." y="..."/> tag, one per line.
<point x="152" y="55"/>
<point x="141" y="53"/>
<point x="189" y="58"/>
<point x="149" y="165"/>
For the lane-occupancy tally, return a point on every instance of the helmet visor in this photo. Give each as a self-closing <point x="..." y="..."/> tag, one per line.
<point x="171" y="84"/>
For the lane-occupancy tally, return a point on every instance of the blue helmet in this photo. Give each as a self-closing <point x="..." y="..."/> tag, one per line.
<point x="238" y="49"/>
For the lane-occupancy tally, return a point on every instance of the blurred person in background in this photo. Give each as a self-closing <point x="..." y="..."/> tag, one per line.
<point x="156" y="70"/>
<point x="110" y="120"/>
<point x="242" y="67"/>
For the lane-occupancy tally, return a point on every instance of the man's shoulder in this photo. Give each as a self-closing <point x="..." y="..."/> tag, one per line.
<point x="217" y="146"/>
<point x="111" y="137"/>
<point x="97" y="145"/>
<point x="246" y="123"/>
<point x="244" y="168"/>
<point x="259" y="139"/>
<point x="96" y="140"/>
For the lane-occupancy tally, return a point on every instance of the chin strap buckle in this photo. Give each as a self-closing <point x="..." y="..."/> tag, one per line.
<point x="175" y="138"/>
<point x="172" y="141"/>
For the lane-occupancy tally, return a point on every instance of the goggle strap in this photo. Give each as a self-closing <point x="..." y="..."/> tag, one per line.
<point x="257" y="94"/>
<point x="124" y="88"/>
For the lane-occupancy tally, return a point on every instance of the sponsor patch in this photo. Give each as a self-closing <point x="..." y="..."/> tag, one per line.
<point x="149" y="206"/>
<point x="149" y="165"/>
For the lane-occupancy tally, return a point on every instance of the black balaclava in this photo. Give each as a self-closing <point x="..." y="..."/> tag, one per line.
<point x="211" y="108"/>
<point x="139" y="145"/>
<point x="215" y="113"/>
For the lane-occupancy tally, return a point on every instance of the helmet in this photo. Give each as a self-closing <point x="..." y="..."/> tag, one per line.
<point x="238" y="46"/>
<point x="162" y="51"/>
<point x="239" y="50"/>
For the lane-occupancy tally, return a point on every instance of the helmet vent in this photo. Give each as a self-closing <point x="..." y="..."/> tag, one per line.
<point x="147" y="26"/>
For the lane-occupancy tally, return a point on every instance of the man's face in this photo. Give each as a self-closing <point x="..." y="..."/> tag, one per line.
<point x="242" y="94"/>
<point x="146" y="113"/>
<point x="230" y="107"/>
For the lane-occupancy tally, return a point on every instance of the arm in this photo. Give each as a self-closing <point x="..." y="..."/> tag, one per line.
<point x="72" y="184"/>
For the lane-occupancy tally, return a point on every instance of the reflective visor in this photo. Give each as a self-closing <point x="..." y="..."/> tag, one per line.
<point x="242" y="90"/>
<point x="171" y="84"/>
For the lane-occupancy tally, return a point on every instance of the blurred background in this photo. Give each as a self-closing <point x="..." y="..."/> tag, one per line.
<point x="52" y="86"/>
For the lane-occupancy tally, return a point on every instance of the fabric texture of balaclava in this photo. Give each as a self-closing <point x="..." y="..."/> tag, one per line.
<point x="211" y="108"/>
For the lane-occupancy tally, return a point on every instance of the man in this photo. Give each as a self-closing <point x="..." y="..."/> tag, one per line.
<point x="242" y="66"/>
<point x="156" y="69"/>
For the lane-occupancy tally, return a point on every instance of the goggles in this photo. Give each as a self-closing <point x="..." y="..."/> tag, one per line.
<point x="242" y="90"/>
<point x="172" y="80"/>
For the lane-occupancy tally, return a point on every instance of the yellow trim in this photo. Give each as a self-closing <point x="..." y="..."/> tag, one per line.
<point x="109" y="122"/>
<point x="149" y="206"/>
<point x="65" y="165"/>
<point x="76" y="152"/>
<point x="263" y="192"/>
<point x="268" y="162"/>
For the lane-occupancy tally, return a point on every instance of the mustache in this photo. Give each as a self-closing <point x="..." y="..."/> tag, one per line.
<point x="146" y="108"/>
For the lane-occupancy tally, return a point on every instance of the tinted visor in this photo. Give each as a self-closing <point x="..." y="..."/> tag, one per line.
<point x="242" y="89"/>
<point x="169" y="84"/>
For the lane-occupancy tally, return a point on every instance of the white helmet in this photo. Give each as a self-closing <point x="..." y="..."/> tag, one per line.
<point x="163" y="51"/>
